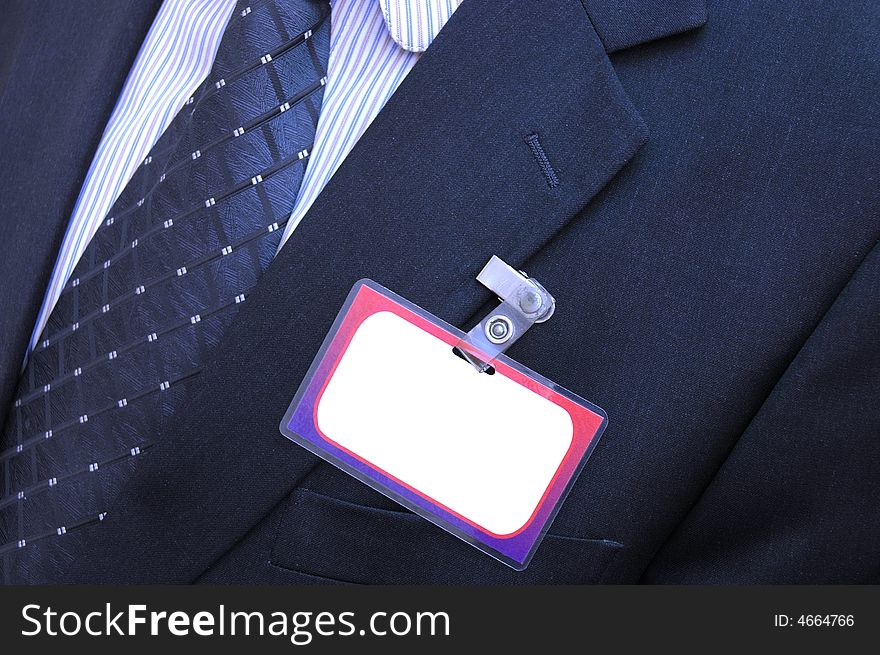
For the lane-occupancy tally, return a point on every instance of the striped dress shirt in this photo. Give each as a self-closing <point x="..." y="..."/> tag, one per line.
<point x="374" y="44"/>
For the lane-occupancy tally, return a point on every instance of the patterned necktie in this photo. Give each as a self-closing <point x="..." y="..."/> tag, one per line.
<point x="159" y="283"/>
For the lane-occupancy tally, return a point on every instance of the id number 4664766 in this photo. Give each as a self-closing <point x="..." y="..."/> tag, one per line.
<point x="814" y="620"/>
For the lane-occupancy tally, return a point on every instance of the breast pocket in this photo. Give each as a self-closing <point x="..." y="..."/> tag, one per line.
<point x="352" y="542"/>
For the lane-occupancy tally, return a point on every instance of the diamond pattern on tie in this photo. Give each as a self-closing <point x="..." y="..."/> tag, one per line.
<point x="159" y="283"/>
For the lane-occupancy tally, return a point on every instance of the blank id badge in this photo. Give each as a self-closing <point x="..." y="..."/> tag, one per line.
<point x="487" y="457"/>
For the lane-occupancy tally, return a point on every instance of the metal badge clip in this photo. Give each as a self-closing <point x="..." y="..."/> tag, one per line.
<point x="524" y="302"/>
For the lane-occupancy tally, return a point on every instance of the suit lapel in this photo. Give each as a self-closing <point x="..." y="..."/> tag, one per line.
<point x="444" y="178"/>
<point x="62" y="67"/>
<point x="626" y="23"/>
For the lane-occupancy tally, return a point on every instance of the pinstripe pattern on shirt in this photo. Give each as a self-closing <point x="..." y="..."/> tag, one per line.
<point x="375" y="43"/>
<point x="413" y="25"/>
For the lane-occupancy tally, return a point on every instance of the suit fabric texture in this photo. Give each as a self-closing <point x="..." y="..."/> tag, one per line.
<point x="710" y="238"/>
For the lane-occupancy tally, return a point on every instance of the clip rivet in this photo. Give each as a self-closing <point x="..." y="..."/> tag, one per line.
<point x="499" y="329"/>
<point x="530" y="301"/>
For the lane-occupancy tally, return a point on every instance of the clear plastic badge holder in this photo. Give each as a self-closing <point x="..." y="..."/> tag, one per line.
<point x="488" y="452"/>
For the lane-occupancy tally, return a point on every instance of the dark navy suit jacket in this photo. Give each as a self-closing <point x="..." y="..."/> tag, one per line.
<point x="711" y="242"/>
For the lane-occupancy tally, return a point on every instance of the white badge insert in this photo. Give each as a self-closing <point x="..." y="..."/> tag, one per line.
<point x="483" y="446"/>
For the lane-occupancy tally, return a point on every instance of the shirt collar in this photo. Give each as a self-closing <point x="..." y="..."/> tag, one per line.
<point x="413" y="24"/>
